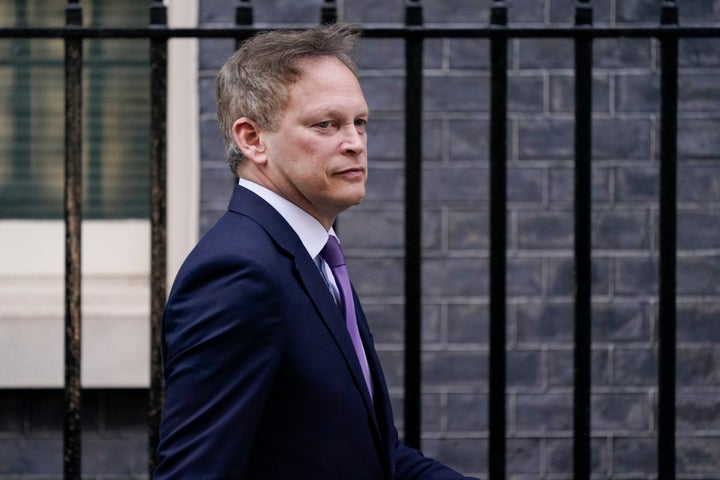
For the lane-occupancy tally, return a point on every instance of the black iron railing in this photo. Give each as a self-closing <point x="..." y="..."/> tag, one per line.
<point x="583" y="33"/>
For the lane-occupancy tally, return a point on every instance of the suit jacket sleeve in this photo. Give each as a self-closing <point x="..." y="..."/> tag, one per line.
<point x="222" y="347"/>
<point x="410" y="464"/>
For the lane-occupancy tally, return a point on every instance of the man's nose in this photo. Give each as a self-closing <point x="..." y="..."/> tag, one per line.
<point x="354" y="139"/>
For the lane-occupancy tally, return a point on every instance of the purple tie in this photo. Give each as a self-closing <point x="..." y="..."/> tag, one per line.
<point x="333" y="255"/>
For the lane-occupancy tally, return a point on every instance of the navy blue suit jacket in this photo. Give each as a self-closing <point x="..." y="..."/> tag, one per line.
<point x="261" y="379"/>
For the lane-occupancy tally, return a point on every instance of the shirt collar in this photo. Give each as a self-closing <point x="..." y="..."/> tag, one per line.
<point x="311" y="232"/>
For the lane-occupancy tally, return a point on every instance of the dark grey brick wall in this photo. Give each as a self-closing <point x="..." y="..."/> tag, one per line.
<point x="114" y="434"/>
<point x="455" y="235"/>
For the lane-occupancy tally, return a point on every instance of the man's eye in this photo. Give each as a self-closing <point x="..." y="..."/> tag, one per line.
<point x="361" y="123"/>
<point x="326" y="124"/>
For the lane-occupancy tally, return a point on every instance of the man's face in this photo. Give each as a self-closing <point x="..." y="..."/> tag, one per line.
<point x="317" y="157"/>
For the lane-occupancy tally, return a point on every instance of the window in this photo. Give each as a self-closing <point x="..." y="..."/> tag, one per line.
<point x="115" y="114"/>
<point x="115" y="230"/>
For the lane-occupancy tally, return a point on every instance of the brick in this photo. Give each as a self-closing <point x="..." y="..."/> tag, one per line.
<point x="563" y="11"/>
<point x="371" y="228"/>
<point x="562" y="93"/>
<point x="621" y="230"/>
<point x="432" y="318"/>
<point x="699" y="139"/>
<point x="698" y="276"/>
<point x="698" y="52"/>
<point x="31" y="455"/>
<point x="432" y="414"/>
<point x="698" y="93"/>
<point x="385" y="93"/>
<point x="562" y="190"/>
<point x="698" y="183"/>
<point x="638" y="92"/>
<point x="636" y="276"/>
<point x="626" y="139"/>
<point x="697" y="229"/>
<point x="385" y="141"/>
<point x="634" y="455"/>
<point x="467" y="455"/>
<point x="622" y="322"/>
<point x="464" y="11"/>
<point x="524" y="276"/>
<point x="374" y="11"/>
<point x="560" y="366"/>
<point x="547" y="139"/>
<point x="385" y="185"/>
<point x="467" y="93"/>
<point x="215" y="11"/>
<point x="544" y="413"/>
<point x="525" y="94"/>
<point x="386" y="321"/>
<point x="638" y="11"/>
<point x="623" y="52"/>
<point x="114" y="455"/>
<point x="546" y="231"/>
<point x="545" y="323"/>
<point x="287" y="11"/>
<point x="637" y="184"/>
<point x="206" y="91"/>
<point x="523" y="455"/>
<point x="697" y="412"/>
<point x="561" y="276"/>
<point x="698" y="322"/>
<point x="526" y="185"/>
<point x="455" y="184"/>
<point x="214" y="52"/>
<point x="378" y="276"/>
<point x="454" y="276"/>
<point x="381" y="53"/>
<point x="433" y="230"/>
<point x="469" y="53"/>
<point x="559" y="456"/>
<point x="469" y="140"/>
<point x="468" y="323"/>
<point x="213" y="147"/>
<point x="545" y="53"/>
<point x="698" y="367"/>
<point x="467" y="412"/>
<point x="524" y="369"/>
<point x="698" y="456"/>
<point x="468" y="229"/>
<point x="467" y="369"/>
<point x="216" y="184"/>
<point x="635" y="367"/>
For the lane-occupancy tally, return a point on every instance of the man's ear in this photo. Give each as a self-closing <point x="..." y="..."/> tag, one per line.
<point x="247" y="137"/>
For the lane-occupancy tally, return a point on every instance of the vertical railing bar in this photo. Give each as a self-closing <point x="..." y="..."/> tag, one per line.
<point x="583" y="247"/>
<point x="158" y="223"/>
<point x="328" y="12"/>
<point x="498" y="245"/>
<point x="72" y="434"/>
<point x="667" y="245"/>
<point x="243" y="17"/>
<point x="413" y="226"/>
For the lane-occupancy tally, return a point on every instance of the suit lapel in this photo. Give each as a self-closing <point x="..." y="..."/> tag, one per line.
<point x="247" y="203"/>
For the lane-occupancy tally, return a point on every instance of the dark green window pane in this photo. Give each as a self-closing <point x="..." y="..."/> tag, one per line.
<point x="115" y="114"/>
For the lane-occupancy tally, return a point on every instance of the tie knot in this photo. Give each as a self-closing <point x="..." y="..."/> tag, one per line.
<point x="332" y="253"/>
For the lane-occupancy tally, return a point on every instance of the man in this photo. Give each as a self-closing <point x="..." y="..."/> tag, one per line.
<point x="263" y="378"/>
